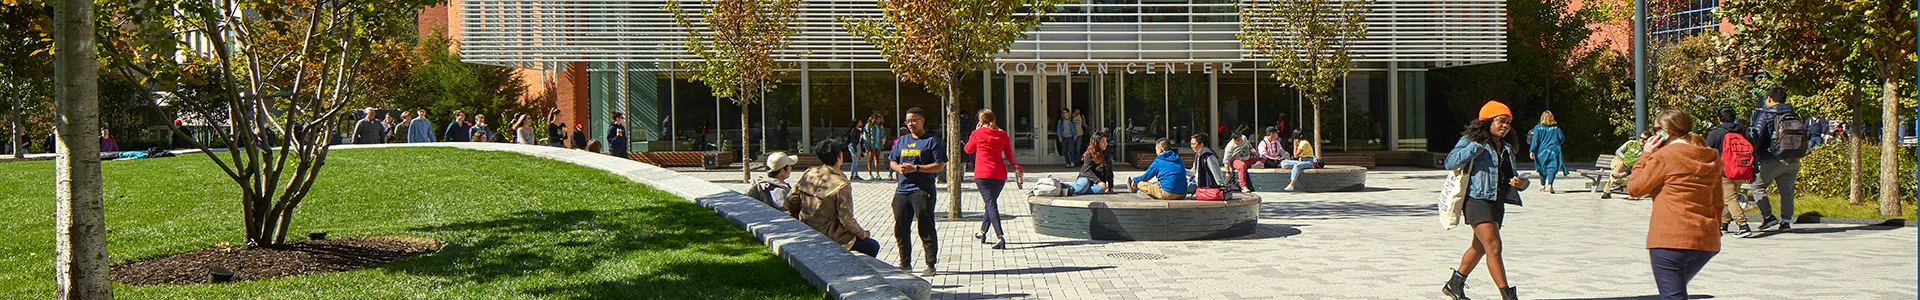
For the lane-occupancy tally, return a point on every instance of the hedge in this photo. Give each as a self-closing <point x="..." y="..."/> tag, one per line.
<point x="1824" y="172"/>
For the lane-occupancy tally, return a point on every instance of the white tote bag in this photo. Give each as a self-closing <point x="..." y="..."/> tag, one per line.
<point x="1453" y="194"/>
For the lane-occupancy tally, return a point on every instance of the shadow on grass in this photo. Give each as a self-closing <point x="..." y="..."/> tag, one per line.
<point x="669" y="250"/>
<point x="1329" y="210"/>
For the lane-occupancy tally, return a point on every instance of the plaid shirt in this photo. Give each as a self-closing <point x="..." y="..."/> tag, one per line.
<point x="1270" y="148"/>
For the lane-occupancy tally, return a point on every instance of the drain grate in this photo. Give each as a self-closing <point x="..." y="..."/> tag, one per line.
<point x="1136" y="256"/>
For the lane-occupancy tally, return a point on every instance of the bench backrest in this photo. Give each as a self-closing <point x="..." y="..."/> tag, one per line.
<point x="1605" y="161"/>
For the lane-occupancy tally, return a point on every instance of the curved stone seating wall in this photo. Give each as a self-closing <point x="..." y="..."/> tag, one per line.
<point x="1333" y="178"/>
<point x="1134" y="217"/>
<point x="842" y="274"/>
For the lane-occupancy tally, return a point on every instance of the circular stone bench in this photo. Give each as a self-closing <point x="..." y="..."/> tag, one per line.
<point x="1332" y="178"/>
<point x="1129" y="216"/>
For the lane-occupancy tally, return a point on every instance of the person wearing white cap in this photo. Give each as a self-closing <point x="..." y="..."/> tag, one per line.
<point x="773" y="189"/>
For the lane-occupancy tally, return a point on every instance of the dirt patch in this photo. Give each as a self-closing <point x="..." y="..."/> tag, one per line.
<point x="255" y="263"/>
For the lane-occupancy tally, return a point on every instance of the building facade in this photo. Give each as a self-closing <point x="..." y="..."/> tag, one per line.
<point x="1137" y="69"/>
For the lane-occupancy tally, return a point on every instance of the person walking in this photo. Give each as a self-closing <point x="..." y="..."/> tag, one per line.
<point x="1168" y="169"/>
<point x="1545" y="145"/>
<point x="992" y="152"/>
<point x="1737" y="158"/>
<point x="457" y="131"/>
<point x="523" y="131"/>
<point x="1781" y="139"/>
<point x="420" y="130"/>
<point x="1069" y="131"/>
<point x="1492" y="184"/>
<point x="874" y="138"/>
<point x="1304" y="158"/>
<point x="1239" y="156"/>
<point x="1684" y="178"/>
<point x="823" y="199"/>
<point x="480" y="132"/>
<point x="617" y="136"/>
<point x="917" y="156"/>
<point x="854" y="147"/>
<point x="1096" y="172"/>
<point x="368" y="130"/>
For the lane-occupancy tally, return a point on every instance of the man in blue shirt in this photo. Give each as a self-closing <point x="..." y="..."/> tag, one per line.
<point x="918" y="156"/>
<point x="1169" y="169"/>
<point x="457" y="131"/>
<point x="420" y="130"/>
<point x="1069" y="133"/>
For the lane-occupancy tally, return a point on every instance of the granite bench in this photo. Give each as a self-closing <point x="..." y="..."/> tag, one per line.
<point x="1332" y="178"/>
<point x="1129" y="216"/>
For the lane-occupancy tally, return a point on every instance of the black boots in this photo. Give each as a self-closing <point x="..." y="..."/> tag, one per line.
<point x="1456" y="288"/>
<point x="1508" y="294"/>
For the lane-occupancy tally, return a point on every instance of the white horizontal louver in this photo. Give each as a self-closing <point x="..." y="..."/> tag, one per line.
<point x="1416" y="33"/>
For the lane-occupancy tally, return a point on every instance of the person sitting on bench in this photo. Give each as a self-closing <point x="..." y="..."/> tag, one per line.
<point x="1303" y="159"/>
<point x="1169" y="169"/>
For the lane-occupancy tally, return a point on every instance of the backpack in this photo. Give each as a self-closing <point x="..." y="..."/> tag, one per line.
<point x="1789" y="136"/>
<point x="762" y="190"/>
<point x="1048" y="187"/>
<point x="1736" y="156"/>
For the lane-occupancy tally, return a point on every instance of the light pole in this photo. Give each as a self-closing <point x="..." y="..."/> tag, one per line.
<point x="1639" y="67"/>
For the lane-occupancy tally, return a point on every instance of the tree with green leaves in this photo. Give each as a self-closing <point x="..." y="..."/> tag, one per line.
<point x="442" y="83"/>
<point x="739" y="43"/>
<point x="936" y="42"/>
<point x="1838" y="53"/>
<point x="1696" y="75"/>
<point x="1307" y="43"/>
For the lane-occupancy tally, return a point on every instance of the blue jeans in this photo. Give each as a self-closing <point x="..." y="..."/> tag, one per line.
<point x="867" y="246"/>
<point x="1083" y="186"/>
<point x="853" y="155"/>
<point x="1673" y="268"/>
<point x="990" y="195"/>
<point x="1298" y="165"/>
<point x="1067" y="144"/>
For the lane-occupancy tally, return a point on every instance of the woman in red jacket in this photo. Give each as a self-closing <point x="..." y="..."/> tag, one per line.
<point x="992" y="152"/>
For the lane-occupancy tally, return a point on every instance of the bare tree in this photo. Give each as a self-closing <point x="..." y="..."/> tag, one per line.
<point x="80" y="226"/>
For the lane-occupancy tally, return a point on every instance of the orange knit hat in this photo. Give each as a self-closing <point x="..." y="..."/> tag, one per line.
<point x="1494" y="109"/>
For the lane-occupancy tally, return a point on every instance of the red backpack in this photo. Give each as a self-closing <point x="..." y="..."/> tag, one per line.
<point x="1736" y="156"/>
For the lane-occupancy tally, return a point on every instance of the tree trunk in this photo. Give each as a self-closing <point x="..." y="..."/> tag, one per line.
<point x="1319" y="154"/>
<point x="1889" y="147"/>
<point x="18" y="151"/>
<point x="954" y="167"/>
<point x="1853" y="155"/>
<point x="746" y="165"/>
<point x="80" y="221"/>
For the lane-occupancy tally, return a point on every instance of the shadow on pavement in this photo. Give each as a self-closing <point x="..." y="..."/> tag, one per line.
<point x="1327" y="210"/>
<point x="1268" y="231"/>
<point x="940" y="295"/>
<point x="1037" y="245"/>
<point x="1764" y="234"/>
<point x="1037" y="270"/>
<point x="1647" y="297"/>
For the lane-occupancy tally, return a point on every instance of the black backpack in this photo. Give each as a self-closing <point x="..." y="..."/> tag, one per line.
<point x="1789" y="136"/>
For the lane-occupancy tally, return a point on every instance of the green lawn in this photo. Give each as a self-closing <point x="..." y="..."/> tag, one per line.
<point x="1804" y="204"/>
<point x="514" y="226"/>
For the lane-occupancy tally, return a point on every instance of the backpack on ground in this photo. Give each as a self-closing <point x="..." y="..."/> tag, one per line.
<point x="1789" y="136"/>
<point x="1736" y="156"/>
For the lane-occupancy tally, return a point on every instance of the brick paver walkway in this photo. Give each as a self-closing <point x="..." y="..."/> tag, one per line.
<point x="1385" y="243"/>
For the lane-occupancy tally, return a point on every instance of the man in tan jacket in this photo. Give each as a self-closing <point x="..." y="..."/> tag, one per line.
<point x="823" y="199"/>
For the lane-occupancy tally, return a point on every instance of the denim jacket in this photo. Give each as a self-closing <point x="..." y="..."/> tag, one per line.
<point x="1485" y="177"/>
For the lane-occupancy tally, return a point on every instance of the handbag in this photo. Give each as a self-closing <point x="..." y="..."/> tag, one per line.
<point x="1211" y="194"/>
<point x="1453" y="194"/>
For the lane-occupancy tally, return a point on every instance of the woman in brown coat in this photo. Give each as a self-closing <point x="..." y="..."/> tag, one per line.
<point x="1682" y="175"/>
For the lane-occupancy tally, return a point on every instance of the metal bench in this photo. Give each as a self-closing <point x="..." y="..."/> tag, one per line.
<point x="1601" y="176"/>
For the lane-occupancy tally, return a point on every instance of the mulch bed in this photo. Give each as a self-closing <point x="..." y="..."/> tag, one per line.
<point x="291" y="259"/>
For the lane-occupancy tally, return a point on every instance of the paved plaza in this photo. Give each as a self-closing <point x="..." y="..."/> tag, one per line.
<point x="1386" y="243"/>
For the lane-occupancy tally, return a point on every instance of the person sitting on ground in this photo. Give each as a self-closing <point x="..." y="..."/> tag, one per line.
<point x="1303" y="158"/>
<point x="824" y="200"/>
<point x="1169" y="169"/>
<point x="1206" y="166"/>
<point x="772" y="190"/>
<point x="1239" y="155"/>
<point x="577" y="139"/>
<point x="1096" y="174"/>
<point x="106" y="141"/>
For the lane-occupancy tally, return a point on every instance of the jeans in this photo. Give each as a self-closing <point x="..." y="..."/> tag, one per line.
<point x="1240" y="170"/>
<point x="1299" y="165"/>
<point x="990" y="195"/>
<point x="1067" y="144"/>
<point x="853" y="155"/>
<point x="1776" y="172"/>
<point x="867" y="246"/>
<point x="1083" y="186"/>
<point x="1673" y="268"/>
<point x="1731" y="189"/>
<point x="908" y="210"/>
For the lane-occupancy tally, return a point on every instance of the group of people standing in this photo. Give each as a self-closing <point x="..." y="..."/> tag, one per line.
<point x="1693" y="181"/>
<point x="418" y="129"/>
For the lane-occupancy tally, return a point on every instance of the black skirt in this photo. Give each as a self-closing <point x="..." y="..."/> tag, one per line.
<point x="1476" y="211"/>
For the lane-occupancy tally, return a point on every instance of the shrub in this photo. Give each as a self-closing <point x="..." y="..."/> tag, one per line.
<point x="1824" y="172"/>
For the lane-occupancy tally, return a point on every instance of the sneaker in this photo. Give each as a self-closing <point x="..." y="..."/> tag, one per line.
<point x="1785" y="226"/>
<point x="1726" y="227"/>
<point x="1768" y="222"/>
<point x="1744" y="231"/>
<point x="930" y="271"/>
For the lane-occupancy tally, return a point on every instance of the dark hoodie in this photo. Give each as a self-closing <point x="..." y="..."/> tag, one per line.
<point x="1205" y="164"/>
<point x="1762" y="130"/>
<point x="1720" y="132"/>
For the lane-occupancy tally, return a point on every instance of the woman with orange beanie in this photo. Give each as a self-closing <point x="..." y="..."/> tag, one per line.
<point x="1492" y="184"/>
<point x="1682" y="175"/>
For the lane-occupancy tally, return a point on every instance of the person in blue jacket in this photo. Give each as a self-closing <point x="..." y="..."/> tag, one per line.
<point x="1492" y="185"/>
<point x="1545" y="151"/>
<point x="1171" y="171"/>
